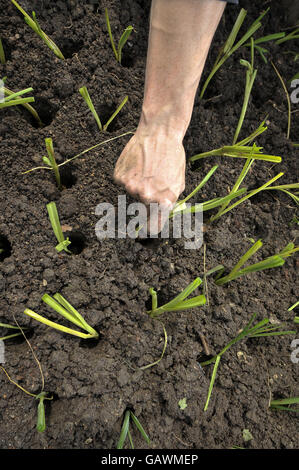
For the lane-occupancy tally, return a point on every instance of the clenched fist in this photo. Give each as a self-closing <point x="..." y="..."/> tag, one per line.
<point x="152" y="168"/>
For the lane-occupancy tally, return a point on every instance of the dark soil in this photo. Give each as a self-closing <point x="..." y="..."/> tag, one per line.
<point x="108" y="281"/>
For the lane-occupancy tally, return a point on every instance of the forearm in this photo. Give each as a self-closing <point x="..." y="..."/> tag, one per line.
<point x="181" y="32"/>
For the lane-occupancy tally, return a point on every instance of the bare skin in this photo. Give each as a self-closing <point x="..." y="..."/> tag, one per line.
<point x="152" y="164"/>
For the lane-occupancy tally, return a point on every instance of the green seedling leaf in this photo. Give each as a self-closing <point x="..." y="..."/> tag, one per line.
<point x="70" y="314"/>
<point x="5" y="325"/>
<point x="34" y="25"/>
<point x="13" y="99"/>
<point x="23" y="102"/>
<point x="231" y="45"/>
<point x="125" y="431"/>
<point x="55" y="222"/>
<point x="110" y="33"/>
<point x="212" y="382"/>
<point x="289" y="309"/>
<point x="41" y="418"/>
<point x="183" y="403"/>
<point x="293" y="35"/>
<point x="238" y="151"/>
<point x="85" y="95"/>
<point x="270" y="262"/>
<point x="62" y="246"/>
<point x="72" y="311"/>
<point x="123" y="39"/>
<point x="116" y="112"/>
<point x="2" y="54"/>
<point x="179" y="302"/>
<point x="140" y="428"/>
<point x="285" y="403"/>
<point x="247" y="436"/>
<point x="46" y="161"/>
<point x="250" y="78"/>
<point x="180" y="205"/>
<point x="54" y="325"/>
<point x="250" y="194"/>
<point x="262" y="328"/>
<point x="79" y="154"/>
<point x="52" y="161"/>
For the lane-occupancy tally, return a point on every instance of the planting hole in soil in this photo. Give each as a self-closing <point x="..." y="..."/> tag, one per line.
<point x="69" y="47"/>
<point x="45" y="109"/>
<point x="78" y="241"/>
<point x="5" y="247"/>
<point x="204" y="357"/>
<point x="7" y="49"/>
<point x="105" y="112"/>
<point x="49" y="404"/>
<point x="29" y="332"/>
<point x="91" y="343"/>
<point x="151" y="243"/>
<point x="68" y="179"/>
<point x="128" y="59"/>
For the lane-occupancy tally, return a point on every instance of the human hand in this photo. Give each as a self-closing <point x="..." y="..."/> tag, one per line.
<point x="152" y="169"/>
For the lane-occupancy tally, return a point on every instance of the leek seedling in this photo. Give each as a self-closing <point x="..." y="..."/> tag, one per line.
<point x="250" y="78"/>
<point x="293" y="35"/>
<point x="251" y="153"/>
<point x="79" y="154"/>
<point x="181" y="207"/>
<point x="65" y="309"/>
<point x="12" y="97"/>
<point x="230" y="47"/>
<point x="296" y="319"/>
<point x="284" y="188"/>
<point x="5" y="325"/>
<point x="2" y="55"/>
<point x="238" y="150"/>
<point x="84" y="93"/>
<point x="41" y="419"/>
<point x="268" y="38"/>
<point x="125" y="431"/>
<point x="51" y="162"/>
<point x="123" y="39"/>
<point x="63" y="243"/>
<point x="180" y="302"/>
<point x="262" y="328"/>
<point x="33" y="23"/>
<point x="41" y="416"/>
<point x="268" y="263"/>
<point x="284" y="404"/>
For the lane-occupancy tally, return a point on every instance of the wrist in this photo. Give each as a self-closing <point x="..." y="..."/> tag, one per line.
<point x="172" y="118"/>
